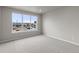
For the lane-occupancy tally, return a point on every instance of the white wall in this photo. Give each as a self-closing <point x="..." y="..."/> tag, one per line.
<point x="7" y="26"/>
<point x="0" y="23"/>
<point x="62" y="23"/>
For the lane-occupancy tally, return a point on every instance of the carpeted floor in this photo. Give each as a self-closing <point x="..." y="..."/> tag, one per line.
<point x="38" y="44"/>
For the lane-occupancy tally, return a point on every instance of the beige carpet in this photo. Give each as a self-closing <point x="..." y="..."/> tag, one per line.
<point x="38" y="44"/>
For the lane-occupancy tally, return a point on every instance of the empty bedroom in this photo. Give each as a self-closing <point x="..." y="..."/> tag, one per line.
<point x="39" y="29"/>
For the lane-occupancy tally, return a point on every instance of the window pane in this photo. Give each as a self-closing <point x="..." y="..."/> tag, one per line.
<point x="34" y="19"/>
<point x="26" y="19"/>
<point x="34" y="22"/>
<point x="17" y="22"/>
<point x="26" y="22"/>
<point x="16" y="18"/>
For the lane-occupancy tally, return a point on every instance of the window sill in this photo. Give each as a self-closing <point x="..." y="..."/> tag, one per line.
<point x="24" y="31"/>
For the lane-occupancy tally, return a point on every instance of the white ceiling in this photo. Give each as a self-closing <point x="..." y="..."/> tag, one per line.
<point x="36" y="9"/>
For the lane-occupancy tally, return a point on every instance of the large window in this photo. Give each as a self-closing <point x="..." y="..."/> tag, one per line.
<point x="23" y="22"/>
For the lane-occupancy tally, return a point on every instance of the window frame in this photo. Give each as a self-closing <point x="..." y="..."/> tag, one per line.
<point x="22" y="22"/>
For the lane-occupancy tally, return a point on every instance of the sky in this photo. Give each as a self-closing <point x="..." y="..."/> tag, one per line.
<point x="19" y="18"/>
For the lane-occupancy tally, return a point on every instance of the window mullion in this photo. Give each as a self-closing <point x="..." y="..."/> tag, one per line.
<point x="30" y="22"/>
<point x="22" y="21"/>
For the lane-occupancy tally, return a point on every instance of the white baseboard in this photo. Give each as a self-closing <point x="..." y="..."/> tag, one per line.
<point x="63" y="40"/>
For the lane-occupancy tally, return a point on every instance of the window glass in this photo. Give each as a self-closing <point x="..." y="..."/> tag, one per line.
<point x="33" y="22"/>
<point x="23" y="22"/>
<point x="26" y="22"/>
<point x="17" y="22"/>
<point x="16" y="18"/>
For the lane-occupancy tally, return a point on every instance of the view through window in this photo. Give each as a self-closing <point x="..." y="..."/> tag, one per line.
<point x="23" y="22"/>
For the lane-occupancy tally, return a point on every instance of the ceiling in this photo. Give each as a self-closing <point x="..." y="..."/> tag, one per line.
<point x="36" y="9"/>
